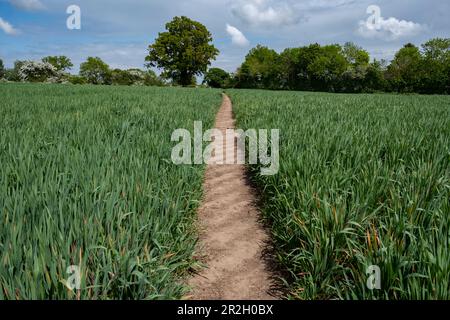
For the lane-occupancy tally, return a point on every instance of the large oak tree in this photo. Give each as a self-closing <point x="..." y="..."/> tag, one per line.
<point x="185" y="50"/>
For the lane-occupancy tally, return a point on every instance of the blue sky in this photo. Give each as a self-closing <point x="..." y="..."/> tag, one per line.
<point x="119" y="31"/>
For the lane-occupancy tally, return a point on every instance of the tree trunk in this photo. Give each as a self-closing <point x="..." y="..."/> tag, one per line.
<point x="185" y="78"/>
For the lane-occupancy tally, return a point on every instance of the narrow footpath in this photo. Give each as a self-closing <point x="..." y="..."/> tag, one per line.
<point x="232" y="238"/>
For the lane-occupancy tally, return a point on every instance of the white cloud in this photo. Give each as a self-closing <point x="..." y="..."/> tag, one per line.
<point x="29" y="5"/>
<point x="389" y="29"/>
<point x="260" y="13"/>
<point x="237" y="37"/>
<point x="8" y="28"/>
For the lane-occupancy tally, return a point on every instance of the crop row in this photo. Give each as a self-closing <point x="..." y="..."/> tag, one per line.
<point x="86" y="180"/>
<point x="364" y="181"/>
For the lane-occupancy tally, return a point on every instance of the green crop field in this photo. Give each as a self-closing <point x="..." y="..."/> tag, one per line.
<point x="364" y="180"/>
<point x="86" y="179"/>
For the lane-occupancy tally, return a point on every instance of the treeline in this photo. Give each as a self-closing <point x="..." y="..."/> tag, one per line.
<point x="55" y="69"/>
<point x="332" y="68"/>
<point x="336" y="68"/>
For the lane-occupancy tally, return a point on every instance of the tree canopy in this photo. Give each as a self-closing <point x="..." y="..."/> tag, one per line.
<point x="347" y="68"/>
<point x="13" y="74"/>
<point x="355" y="55"/>
<point x="404" y="71"/>
<point x="435" y="66"/>
<point x="61" y="63"/>
<point x="217" y="78"/>
<point x="184" y="51"/>
<point x="260" y="68"/>
<point x="95" y="71"/>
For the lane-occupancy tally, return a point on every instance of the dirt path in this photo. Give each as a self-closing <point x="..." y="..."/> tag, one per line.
<point x="232" y="239"/>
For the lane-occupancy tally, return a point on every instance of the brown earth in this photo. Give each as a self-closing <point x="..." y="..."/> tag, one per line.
<point x="233" y="241"/>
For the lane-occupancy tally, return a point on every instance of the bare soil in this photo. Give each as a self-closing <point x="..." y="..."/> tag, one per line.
<point x="233" y="241"/>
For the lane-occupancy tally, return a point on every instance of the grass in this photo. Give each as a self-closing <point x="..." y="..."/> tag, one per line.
<point x="364" y="180"/>
<point x="86" y="179"/>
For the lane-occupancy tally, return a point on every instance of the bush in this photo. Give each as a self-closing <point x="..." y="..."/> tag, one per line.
<point x="128" y="77"/>
<point x="77" y="80"/>
<point x="32" y="71"/>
